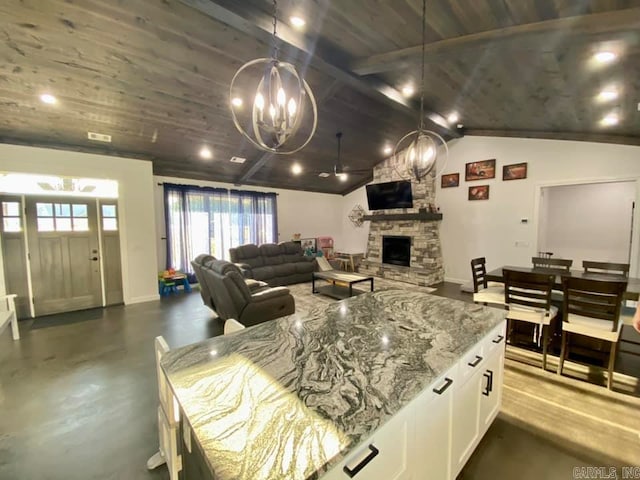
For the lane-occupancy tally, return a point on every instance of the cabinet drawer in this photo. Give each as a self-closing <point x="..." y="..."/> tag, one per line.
<point x="471" y="362"/>
<point x="383" y="456"/>
<point x="495" y="340"/>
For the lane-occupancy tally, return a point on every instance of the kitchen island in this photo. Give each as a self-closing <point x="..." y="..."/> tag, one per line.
<point x="390" y="384"/>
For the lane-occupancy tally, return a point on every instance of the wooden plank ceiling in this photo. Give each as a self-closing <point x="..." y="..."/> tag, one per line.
<point x="155" y="76"/>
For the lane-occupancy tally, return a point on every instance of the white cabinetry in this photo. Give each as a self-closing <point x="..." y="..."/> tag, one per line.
<point x="383" y="456"/>
<point x="434" y="435"/>
<point x="433" y="417"/>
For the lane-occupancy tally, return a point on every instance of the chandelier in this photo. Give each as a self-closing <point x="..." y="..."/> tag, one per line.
<point x="420" y="149"/>
<point x="280" y="99"/>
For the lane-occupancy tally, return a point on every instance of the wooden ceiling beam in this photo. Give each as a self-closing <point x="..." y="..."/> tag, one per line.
<point x="593" y="24"/>
<point x="300" y="47"/>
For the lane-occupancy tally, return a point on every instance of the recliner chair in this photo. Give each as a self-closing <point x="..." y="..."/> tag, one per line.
<point x="233" y="298"/>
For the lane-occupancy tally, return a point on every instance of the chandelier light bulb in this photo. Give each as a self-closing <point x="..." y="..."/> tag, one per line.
<point x="292" y="107"/>
<point x="281" y="97"/>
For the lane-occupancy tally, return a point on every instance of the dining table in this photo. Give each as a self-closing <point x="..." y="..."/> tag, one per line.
<point x="633" y="284"/>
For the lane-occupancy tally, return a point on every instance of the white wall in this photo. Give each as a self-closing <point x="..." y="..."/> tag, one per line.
<point x="493" y="228"/>
<point x="310" y="214"/>
<point x="588" y="221"/>
<point x="354" y="239"/>
<point x="135" y="202"/>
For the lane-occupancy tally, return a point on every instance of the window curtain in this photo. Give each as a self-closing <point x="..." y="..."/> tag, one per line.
<point x="212" y="220"/>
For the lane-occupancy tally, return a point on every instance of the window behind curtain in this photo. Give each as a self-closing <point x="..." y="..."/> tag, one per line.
<point x="212" y="220"/>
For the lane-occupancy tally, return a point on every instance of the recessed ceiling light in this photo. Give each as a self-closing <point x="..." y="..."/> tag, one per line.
<point x="205" y="152"/>
<point x="387" y="150"/>
<point x="48" y="99"/>
<point x="236" y="102"/>
<point x="408" y="90"/>
<point x="608" y="95"/>
<point x="343" y="177"/>
<point x="296" y="169"/>
<point x="323" y="175"/>
<point x="453" y="117"/>
<point x="611" y="119"/>
<point x="297" y="22"/>
<point x="605" y="57"/>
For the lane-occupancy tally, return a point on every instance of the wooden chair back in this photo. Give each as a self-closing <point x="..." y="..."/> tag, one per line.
<point x="545" y="254"/>
<point x="600" y="299"/>
<point x="606" y="268"/>
<point x="560" y="264"/>
<point x="479" y="273"/>
<point x="527" y="289"/>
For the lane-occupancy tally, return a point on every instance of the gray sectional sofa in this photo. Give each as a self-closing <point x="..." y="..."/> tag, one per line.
<point x="276" y="264"/>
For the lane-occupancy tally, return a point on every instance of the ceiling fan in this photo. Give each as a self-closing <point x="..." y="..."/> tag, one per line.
<point x="340" y="170"/>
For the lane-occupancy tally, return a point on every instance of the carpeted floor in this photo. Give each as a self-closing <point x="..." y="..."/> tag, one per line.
<point x="305" y="300"/>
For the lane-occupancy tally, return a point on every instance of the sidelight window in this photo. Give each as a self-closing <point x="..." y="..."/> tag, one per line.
<point x="11" y="219"/>
<point x="62" y="217"/>
<point x="109" y="218"/>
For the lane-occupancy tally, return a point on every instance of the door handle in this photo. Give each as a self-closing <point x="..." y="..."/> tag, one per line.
<point x="475" y="363"/>
<point x="370" y="456"/>
<point x="489" y="387"/>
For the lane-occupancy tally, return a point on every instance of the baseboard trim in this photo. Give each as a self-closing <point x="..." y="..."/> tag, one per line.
<point x="146" y="298"/>
<point x="455" y="280"/>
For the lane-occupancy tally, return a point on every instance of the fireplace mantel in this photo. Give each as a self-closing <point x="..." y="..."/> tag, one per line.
<point x="424" y="216"/>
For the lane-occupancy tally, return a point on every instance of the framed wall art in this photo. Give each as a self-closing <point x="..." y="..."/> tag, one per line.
<point x="517" y="171"/>
<point x="481" y="192"/>
<point x="482" y="170"/>
<point x="450" y="180"/>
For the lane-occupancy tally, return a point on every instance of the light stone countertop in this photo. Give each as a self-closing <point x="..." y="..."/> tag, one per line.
<point x="291" y="397"/>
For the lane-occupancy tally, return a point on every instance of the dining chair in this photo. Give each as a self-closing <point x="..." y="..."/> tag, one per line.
<point x="552" y="263"/>
<point x="592" y="308"/>
<point x="545" y="254"/>
<point x="621" y="269"/>
<point x="527" y="297"/>
<point x="484" y="291"/>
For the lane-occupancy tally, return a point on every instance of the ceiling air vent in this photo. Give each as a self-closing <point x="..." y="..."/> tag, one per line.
<point x="99" y="137"/>
<point x="238" y="159"/>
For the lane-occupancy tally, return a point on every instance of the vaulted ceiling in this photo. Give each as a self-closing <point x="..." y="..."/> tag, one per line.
<point x="155" y="76"/>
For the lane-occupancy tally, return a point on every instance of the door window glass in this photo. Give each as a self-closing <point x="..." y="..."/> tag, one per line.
<point x="109" y="218"/>
<point x="11" y="220"/>
<point x="62" y="217"/>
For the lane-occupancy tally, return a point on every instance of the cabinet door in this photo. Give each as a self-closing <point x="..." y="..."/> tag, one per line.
<point x="432" y="448"/>
<point x="491" y="394"/>
<point x="383" y="456"/>
<point x="466" y="431"/>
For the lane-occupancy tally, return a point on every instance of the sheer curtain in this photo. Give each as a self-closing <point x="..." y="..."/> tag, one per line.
<point x="212" y="220"/>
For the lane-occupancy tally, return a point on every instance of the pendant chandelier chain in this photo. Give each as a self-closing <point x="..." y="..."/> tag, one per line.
<point x="424" y="39"/>
<point x="275" y="28"/>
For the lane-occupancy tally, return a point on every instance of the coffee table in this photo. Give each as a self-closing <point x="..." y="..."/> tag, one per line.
<point x="341" y="283"/>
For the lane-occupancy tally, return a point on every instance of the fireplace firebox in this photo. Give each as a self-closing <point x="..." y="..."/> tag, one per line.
<point x="396" y="250"/>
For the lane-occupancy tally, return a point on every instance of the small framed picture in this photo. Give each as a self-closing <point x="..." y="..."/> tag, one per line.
<point x="308" y="246"/>
<point x="450" y="180"/>
<point x="481" y="192"/>
<point x="517" y="171"/>
<point x="482" y="170"/>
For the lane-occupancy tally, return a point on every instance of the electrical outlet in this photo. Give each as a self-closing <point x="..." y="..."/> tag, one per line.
<point x="522" y="244"/>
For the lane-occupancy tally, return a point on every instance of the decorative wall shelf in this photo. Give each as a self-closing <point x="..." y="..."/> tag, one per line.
<point x="424" y="216"/>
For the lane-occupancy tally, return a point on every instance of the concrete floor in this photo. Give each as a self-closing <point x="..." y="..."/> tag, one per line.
<point x="78" y="400"/>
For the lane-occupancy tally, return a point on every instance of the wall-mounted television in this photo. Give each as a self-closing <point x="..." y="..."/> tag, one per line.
<point x="382" y="196"/>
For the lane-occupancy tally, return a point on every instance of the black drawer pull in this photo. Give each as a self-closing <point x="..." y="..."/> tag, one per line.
<point x="475" y="363"/>
<point x="372" y="454"/>
<point x="498" y="340"/>
<point x="441" y="390"/>
<point x="489" y="388"/>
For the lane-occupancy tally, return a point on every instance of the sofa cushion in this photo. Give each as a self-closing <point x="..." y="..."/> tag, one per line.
<point x="263" y="273"/>
<point x="284" y="270"/>
<point x="304" y="267"/>
<point x="291" y="258"/>
<point x="290" y="248"/>
<point x="271" y="254"/>
<point x="249" y="254"/>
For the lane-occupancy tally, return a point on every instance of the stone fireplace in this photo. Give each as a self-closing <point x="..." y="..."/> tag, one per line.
<point x="421" y="228"/>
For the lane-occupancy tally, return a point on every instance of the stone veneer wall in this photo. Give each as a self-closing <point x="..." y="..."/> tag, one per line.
<point x="426" y="266"/>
